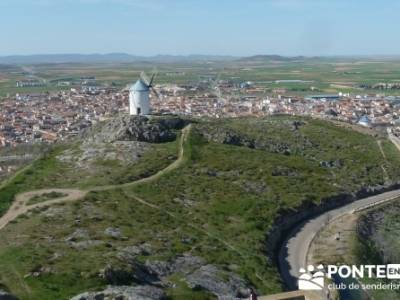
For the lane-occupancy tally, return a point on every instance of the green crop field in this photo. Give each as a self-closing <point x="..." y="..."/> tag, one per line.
<point x="326" y="75"/>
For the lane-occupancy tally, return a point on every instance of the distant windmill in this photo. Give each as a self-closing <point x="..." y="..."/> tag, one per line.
<point x="214" y="84"/>
<point x="139" y="100"/>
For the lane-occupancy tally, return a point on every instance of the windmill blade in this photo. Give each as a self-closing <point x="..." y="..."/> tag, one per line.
<point x="151" y="80"/>
<point x="153" y="77"/>
<point x="158" y="96"/>
<point x="145" y="78"/>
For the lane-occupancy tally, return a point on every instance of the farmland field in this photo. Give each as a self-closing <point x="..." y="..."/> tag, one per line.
<point x="298" y="76"/>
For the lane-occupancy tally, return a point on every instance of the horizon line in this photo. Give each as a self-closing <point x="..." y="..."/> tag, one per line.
<point x="197" y="54"/>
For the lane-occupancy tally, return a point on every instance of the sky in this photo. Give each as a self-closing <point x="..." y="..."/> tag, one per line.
<point x="210" y="27"/>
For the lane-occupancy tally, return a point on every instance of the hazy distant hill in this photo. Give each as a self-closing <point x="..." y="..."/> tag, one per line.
<point x="263" y="58"/>
<point x="124" y="57"/>
<point x="339" y="58"/>
<point x="103" y="58"/>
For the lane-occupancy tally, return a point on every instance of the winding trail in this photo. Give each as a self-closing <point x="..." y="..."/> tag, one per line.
<point x="293" y="252"/>
<point x="20" y="205"/>
<point x="385" y="173"/>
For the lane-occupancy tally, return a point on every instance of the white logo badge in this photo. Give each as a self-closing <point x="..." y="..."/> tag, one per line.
<point x="312" y="279"/>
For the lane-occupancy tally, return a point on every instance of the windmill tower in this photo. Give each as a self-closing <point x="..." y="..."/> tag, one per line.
<point x="139" y="96"/>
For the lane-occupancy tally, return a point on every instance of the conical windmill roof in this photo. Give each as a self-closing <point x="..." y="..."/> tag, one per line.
<point x="140" y="86"/>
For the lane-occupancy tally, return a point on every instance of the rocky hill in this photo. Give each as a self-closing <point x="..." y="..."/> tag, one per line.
<point x="135" y="128"/>
<point x="197" y="230"/>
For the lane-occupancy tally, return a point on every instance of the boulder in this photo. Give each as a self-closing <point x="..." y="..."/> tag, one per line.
<point x="113" y="232"/>
<point x="77" y="235"/>
<point x="223" y="284"/>
<point x="331" y="163"/>
<point x="128" y="254"/>
<point x="124" y="274"/>
<point x="124" y="293"/>
<point x="210" y="278"/>
<point x="6" y="296"/>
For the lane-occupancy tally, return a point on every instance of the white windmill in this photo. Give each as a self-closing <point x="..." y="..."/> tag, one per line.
<point x="139" y="96"/>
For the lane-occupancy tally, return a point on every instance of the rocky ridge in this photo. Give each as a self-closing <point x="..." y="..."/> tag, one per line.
<point x="123" y="139"/>
<point x="124" y="293"/>
<point x="197" y="274"/>
<point x="135" y="128"/>
<point x="230" y="136"/>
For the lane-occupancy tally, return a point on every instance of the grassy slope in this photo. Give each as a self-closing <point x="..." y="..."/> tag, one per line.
<point x="221" y="203"/>
<point x="49" y="172"/>
<point x="241" y="216"/>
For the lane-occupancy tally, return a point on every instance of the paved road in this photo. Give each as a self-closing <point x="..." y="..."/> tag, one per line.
<point x="395" y="140"/>
<point x="20" y="205"/>
<point x="293" y="253"/>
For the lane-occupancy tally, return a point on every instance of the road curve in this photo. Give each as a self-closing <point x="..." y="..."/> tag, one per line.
<point x="20" y="205"/>
<point x="394" y="139"/>
<point x="294" y="250"/>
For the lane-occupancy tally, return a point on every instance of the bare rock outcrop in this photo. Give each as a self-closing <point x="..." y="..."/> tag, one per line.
<point x="135" y="128"/>
<point x="195" y="272"/>
<point x="6" y="296"/>
<point x="124" y="293"/>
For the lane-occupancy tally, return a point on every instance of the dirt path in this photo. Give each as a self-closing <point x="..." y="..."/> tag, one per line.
<point x="21" y="206"/>
<point x="171" y="167"/>
<point x="385" y="173"/>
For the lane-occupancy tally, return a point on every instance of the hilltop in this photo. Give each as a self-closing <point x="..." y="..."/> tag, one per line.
<point x="200" y="229"/>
